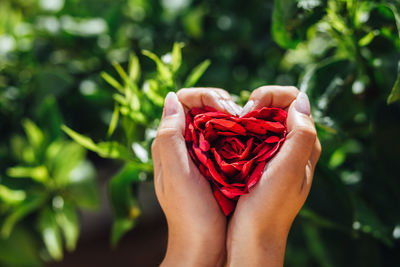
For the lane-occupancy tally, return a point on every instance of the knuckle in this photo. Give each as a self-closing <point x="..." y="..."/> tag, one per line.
<point x="262" y="89"/>
<point x="166" y="133"/>
<point x="210" y="94"/>
<point x="154" y="147"/>
<point x="181" y="92"/>
<point x="222" y="92"/>
<point x="306" y="133"/>
<point x="293" y="89"/>
<point x="261" y="92"/>
<point x="318" y="147"/>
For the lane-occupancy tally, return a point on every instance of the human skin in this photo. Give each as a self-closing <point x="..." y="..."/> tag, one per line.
<point x="199" y="233"/>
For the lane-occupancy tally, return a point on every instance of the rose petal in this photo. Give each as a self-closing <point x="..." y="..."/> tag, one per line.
<point x="228" y="154"/>
<point x="247" y="167"/>
<point x="227" y="125"/>
<point x="270" y="153"/>
<point x="247" y="150"/>
<point x="262" y="127"/>
<point x="203" y="144"/>
<point x="272" y="139"/>
<point x="256" y="174"/>
<point x="233" y="192"/>
<point x="200" y="155"/>
<point x="215" y="174"/>
<point x="205" y="171"/>
<point x="227" y="205"/>
<point x="226" y="168"/>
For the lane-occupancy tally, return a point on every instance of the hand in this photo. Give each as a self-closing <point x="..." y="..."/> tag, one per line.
<point x="196" y="225"/>
<point x="259" y="227"/>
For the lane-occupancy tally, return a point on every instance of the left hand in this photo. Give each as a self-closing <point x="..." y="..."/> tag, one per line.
<point x="260" y="224"/>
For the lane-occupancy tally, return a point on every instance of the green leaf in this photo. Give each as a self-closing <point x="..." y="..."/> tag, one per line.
<point x="67" y="220"/>
<point x="62" y="168"/>
<point x="34" y="134"/>
<point x="123" y="202"/>
<point x="280" y="14"/>
<point x="29" y="205"/>
<point x="19" y="250"/>
<point x="152" y="93"/>
<point x="162" y="69"/>
<point x="113" y="150"/>
<point x="120" y="191"/>
<point x="396" y="15"/>
<point x="176" y="56"/>
<point x="50" y="233"/>
<point x="114" y="121"/>
<point x="119" y="227"/>
<point x="196" y="73"/>
<point x="11" y="196"/>
<point x="109" y="79"/>
<point x="136" y="116"/>
<point x="370" y="223"/>
<point x="120" y="99"/>
<point x="133" y="99"/>
<point x="193" y="21"/>
<point x="395" y="93"/>
<point x="83" y="188"/>
<point x="38" y="174"/>
<point x="121" y="72"/>
<point x="337" y="158"/>
<point x="367" y="39"/>
<point x="316" y="246"/>
<point x="84" y="141"/>
<point x="321" y="221"/>
<point x="50" y="117"/>
<point x="134" y="68"/>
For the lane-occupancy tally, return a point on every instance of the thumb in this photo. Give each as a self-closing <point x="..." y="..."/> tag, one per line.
<point x="301" y="137"/>
<point x="170" y="141"/>
<point x="173" y="118"/>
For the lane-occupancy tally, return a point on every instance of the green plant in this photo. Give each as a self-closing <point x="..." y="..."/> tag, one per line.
<point x="343" y="52"/>
<point x="51" y="182"/>
<point x="138" y="108"/>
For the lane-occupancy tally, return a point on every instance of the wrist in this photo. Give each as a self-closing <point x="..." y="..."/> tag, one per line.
<point x="186" y="250"/>
<point x="257" y="247"/>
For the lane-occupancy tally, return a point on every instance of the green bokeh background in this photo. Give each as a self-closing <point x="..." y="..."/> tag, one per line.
<point x="343" y="54"/>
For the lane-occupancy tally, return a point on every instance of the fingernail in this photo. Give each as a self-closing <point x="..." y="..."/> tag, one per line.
<point x="227" y="106"/>
<point x="303" y="104"/>
<point x="246" y="109"/>
<point x="237" y="109"/>
<point x="218" y="101"/>
<point x="170" y="104"/>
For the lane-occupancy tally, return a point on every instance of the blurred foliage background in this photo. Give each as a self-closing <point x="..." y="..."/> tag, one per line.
<point x="79" y="69"/>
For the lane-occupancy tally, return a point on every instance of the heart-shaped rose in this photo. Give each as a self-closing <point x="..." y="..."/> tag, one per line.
<point x="230" y="151"/>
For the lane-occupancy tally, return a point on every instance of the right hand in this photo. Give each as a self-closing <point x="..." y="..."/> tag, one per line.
<point x="196" y="224"/>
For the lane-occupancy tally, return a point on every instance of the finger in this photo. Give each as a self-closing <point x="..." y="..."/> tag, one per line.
<point x="212" y="97"/>
<point x="172" y="124"/>
<point x="270" y="96"/>
<point x="157" y="167"/>
<point x="316" y="153"/>
<point x="310" y="168"/>
<point x="300" y="141"/>
<point x="180" y="176"/>
<point x="170" y="142"/>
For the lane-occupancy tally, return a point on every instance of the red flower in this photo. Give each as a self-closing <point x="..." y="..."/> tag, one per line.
<point x="231" y="152"/>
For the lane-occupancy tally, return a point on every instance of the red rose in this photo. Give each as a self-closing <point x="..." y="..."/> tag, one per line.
<point x="231" y="152"/>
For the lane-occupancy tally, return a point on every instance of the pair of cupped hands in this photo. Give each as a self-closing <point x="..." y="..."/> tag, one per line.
<point x="199" y="234"/>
